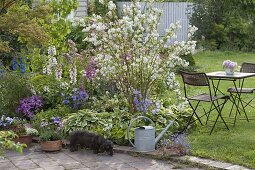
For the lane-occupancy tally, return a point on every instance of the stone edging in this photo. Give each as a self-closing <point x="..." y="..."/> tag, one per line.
<point x="201" y="162"/>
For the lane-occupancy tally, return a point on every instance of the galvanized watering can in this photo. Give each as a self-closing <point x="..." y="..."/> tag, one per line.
<point x="145" y="140"/>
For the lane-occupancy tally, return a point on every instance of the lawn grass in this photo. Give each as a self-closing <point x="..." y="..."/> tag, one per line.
<point x="238" y="144"/>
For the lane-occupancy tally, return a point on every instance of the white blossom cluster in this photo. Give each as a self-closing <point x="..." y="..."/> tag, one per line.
<point x="129" y="49"/>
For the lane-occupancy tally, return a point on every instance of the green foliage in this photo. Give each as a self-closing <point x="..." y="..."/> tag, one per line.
<point x="107" y="102"/>
<point x="112" y="125"/>
<point x="225" y="25"/>
<point x="21" y="29"/>
<point x="77" y="35"/>
<point x="95" y="7"/>
<point x="6" y="142"/>
<point x="13" y="87"/>
<point x="49" y="135"/>
<point x="61" y="26"/>
<point x="59" y="111"/>
<point x="49" y="88"/>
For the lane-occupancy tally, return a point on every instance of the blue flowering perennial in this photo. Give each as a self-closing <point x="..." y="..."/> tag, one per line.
<point x="22" y="66"/>
<point x="143" y="105"/>
<point x="18" y="65"/>
<point x="14" y="64"/>
<point x="76" y="100"/>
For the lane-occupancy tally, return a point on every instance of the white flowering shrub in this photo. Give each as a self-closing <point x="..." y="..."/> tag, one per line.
<point x="128" y="50"/>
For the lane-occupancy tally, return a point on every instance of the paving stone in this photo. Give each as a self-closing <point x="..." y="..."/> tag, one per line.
<point x="221" y="165"/>
<point x="191" y="169"/>
<point x="120" y="166"/>
<point x="201" y="160"/>
<point x="25" y="164"/>
<point x="18" y="158"/>
<point x="54" y="168"/>
<point x="141" y="165"/>
<point x="92" y="164"/>
<point x="84" y="158"/>
<point x="4" y="160"/>
<point x="162" y="166"/>
<point x="37" y="161"/>
<point x="47" y="164"/>
<point x="10" y="168"/>
<point x="36" y="169"/>
<point x="83" y="169"/>
<point x="67" y="161"/>
<point x="236" y="167"/>
<point x="109" y="159"/>
<point x="127" y="158"/>
<point x="72" y="165"/>
<point x="37" y="155"/>
<point x="102" y="167"/>
<point x="6" y="165"/>
<point x="13" y="154"/>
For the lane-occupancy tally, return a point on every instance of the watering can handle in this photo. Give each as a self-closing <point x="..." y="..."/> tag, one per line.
<point x="130" y="124"/>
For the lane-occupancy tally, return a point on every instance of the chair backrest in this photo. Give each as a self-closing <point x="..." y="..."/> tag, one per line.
<point x="248" y="67"/>
<point x="195" y="79"/>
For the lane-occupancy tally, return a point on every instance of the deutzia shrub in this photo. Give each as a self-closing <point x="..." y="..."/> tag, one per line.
<point x="128" y="49"/>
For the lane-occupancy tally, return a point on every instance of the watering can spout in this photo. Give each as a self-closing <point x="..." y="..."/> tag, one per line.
<point x="163" y="132"/>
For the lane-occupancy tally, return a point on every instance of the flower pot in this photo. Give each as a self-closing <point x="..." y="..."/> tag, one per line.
<point x="229" y="71"/>
<point x="25" y="139"/>
<point x="51" y="145"/>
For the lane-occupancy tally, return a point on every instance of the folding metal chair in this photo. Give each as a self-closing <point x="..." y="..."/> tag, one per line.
<point x="246" y="68"/>
<point x="201" y="80"/>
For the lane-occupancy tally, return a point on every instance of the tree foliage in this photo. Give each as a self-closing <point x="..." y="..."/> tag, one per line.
<point x="225" y="24"/>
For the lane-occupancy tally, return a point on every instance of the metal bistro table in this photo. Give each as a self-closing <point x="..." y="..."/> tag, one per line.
<point x="219" y="76"/>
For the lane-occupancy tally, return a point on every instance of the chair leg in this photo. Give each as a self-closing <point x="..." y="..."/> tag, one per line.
<point x="194" y="112"/>
<point x="219" y="110"/>
<point x="214" y="124"/>
<point x="248" y="103"/>
<point x="207" y="115"/>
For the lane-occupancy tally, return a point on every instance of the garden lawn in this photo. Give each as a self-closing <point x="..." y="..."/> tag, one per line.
<point x="238" y="144"/>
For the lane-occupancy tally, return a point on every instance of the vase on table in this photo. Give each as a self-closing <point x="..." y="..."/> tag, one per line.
<point x="229" y="71"/>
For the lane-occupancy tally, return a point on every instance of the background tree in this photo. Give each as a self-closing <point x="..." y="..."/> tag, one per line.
<point x="225" y="24"/>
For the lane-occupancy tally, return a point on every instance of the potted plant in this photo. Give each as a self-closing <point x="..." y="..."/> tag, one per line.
<point x="51" y="134"/>
<point x="19" y="127"/>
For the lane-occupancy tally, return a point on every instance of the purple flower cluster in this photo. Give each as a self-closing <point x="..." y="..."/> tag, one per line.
<point x="143" y="104"/>
<point x="55" y="124"/>
<point x="29" y="106"/>
<point x="229" y="64"/>
<point x="90" y="71"/>
<point x="77" y="99"/>
<point x="180" y="139"/>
